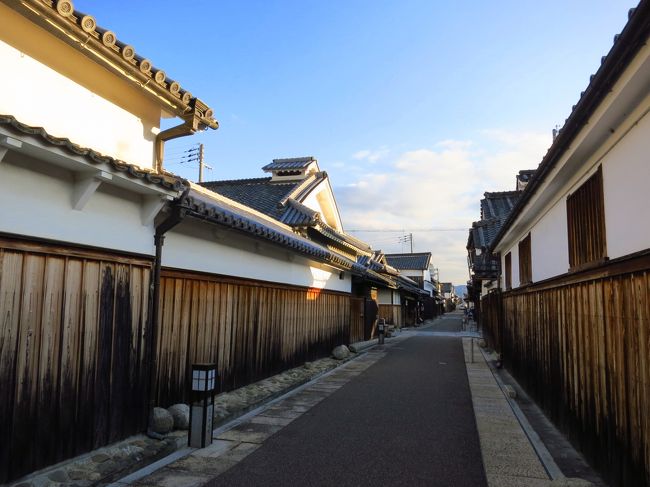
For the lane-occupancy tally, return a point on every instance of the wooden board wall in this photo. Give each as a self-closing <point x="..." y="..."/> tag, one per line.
<point x="582" y="349"/>
<point x="356" y="319"/>
<point x="392" y="313"/>
<point x="251" y="330"/>
<point x="73" y="354"/>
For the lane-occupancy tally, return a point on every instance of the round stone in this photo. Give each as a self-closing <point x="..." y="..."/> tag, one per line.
<point x="341" y="352"/>
<point x="161" y="421"/>
<point x="181" y="415"/>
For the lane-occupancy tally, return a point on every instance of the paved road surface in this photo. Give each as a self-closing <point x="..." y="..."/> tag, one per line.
<point x="406" y="420"/>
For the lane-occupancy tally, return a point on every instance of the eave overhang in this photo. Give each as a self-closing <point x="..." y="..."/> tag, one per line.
<point x="626" y="46"/>
<point x="81" y="161"/>
<point x="81" y="32"/>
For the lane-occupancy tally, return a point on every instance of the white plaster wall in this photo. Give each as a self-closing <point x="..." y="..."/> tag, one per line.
<point x="515" y="267"/>
<point x="396" y="298"/>
<point x="39" y="204"/>
<point x="428" y="287"/>
<point x="205" y="248"/>
<point x="322" y="200"/>
<point x="49" y="79"/>
<point x="384" y="296"/>
<point x="626" y="178"/>
<point x="549" y="244"/>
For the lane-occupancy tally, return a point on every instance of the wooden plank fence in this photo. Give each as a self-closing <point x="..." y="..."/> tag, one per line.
<point x="76" y="348"/>
<point x="250" y="329"/>
<point x="73" y="352"/>
<point x="580" y="345"/>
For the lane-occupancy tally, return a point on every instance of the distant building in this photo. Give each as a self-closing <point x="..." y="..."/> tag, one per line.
<point x="415" y="266"/>
<point x="483" y="264"/>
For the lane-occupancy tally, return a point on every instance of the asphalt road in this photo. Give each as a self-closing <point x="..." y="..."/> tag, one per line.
<point x="407" y="420"/>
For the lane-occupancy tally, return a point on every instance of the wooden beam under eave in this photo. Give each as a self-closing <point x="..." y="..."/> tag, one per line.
<point x="7" y="143"/>
<point x="151" y="206"/>
<point x="85" y="187"/>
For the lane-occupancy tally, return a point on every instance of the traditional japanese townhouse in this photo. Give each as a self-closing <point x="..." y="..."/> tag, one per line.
<point x="417" y="268"/>
<point x="483" y="265"/>
<point x="298" y="196"/>
<point x="574" y="318"/>
<point x="392" y="301"/>
<point x="80" y="185"/>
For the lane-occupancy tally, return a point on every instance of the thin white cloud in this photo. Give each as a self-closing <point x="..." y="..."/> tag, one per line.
<point x="371" y="156"/>
<point x="436" y="188"/>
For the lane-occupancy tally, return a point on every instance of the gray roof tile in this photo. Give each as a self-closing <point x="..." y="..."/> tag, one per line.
<point x="409" y="261"/>
<point x="498" y="204"/>
<point x="288" y="164"/>
<point x="260" y="193"/>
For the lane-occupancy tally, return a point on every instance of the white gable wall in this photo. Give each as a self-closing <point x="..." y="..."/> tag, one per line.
<point x="48" y="78"/>
<point x="322" y="200"/>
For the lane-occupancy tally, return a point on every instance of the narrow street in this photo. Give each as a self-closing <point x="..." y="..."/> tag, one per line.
<point x="400" y="414"/>
<point x="406" y="420"/>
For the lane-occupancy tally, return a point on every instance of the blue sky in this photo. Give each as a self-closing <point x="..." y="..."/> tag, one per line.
<point x="413" y="107"/>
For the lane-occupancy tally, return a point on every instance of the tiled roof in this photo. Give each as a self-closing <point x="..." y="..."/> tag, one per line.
<point x="264" y="195"/>
<point x="407" y="284"/>
<point x="219" y="211"/>
<point x="288" y="164"/>
<point x="278" y="200"/>
<point x="101" y="45"/>
<point x="349" y="240"/>
<point x="167" y="181"/>
<point x="260" y="194"/>
<point x="409" y="261"/>
<point x="298" y="215"/>
<point x="498" y="204"/>
<point x="485" y="265"/>
<point x="525" y="174"/>
<point x="203" y="206"/>
<point x="483" y="232"/>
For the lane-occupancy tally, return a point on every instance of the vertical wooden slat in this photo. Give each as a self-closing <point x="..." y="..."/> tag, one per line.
<point x="581" y="350"/>
<point x="24" y="432"/>
<point x="11" y="281"/>
<point x="48" y="364"/>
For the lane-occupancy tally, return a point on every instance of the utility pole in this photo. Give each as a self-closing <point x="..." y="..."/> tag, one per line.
<point x="202" y="163"/>
<point x="407" y="238"/>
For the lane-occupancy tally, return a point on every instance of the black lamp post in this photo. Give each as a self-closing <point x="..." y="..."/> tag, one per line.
<point x="203" y="386"/>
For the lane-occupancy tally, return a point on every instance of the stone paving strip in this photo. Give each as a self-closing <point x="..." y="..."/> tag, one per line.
<point x="102" y="466"/>
<point x="237" y="442"/>
<point x="509" y="458"/>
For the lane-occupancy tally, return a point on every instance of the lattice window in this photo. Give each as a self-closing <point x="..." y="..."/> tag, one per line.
<point x="586" y="222"/>
<point x="525" y="261"/>
<point x="508" y="270"/>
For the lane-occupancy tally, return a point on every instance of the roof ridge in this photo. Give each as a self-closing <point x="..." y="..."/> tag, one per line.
<point x="407" y="254"/>
<point x="489" y="194"/>
<point x="244" y="180"/>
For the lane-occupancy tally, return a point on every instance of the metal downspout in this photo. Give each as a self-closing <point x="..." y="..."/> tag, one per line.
<point x="177" y="215"/>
